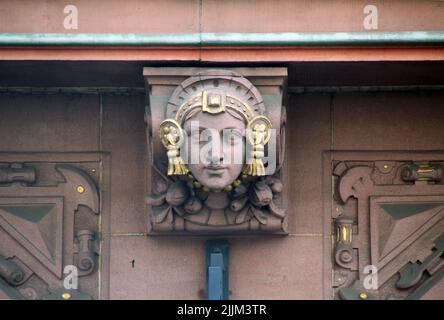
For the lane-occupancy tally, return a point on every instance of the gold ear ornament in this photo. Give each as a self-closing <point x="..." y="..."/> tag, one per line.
<point x="258" y="135"/>
<point x="172" y="137"/>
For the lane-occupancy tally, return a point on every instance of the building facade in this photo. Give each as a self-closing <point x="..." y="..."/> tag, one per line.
<point x="90" y="192"/>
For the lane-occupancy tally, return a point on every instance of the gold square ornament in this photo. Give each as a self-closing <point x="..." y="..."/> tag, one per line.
<point x="213" y="102"/>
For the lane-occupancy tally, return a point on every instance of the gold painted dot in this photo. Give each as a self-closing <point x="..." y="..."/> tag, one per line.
<point x="229" y="188"/>
<point x="386" y="166"/>
<point x="205" y="189"/>
<point x="93" y="170"/>
<point x="66" y="296"/>
<point x="236" y="182"/>
<point x="80" y="189"/>
<point x="363" y="296"/>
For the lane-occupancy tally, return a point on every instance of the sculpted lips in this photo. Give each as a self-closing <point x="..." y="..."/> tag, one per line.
<point x="216" y="169"/>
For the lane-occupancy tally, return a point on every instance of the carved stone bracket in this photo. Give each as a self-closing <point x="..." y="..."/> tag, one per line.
<point x="193" y="198"/>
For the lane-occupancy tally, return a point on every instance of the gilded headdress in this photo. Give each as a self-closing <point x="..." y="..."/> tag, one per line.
<point x="219" y="92"/>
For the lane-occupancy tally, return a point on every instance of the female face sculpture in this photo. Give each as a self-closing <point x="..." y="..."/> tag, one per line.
<point x="218" y="141"/>
<point x="216" y="132"/>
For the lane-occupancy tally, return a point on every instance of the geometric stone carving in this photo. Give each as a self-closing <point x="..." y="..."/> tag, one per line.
<point x="34" y="216"/>
<point x="391" y="213"/>
<point x="86" y="249"/>
<point x="396" y="224"/>
<point x="412" y="272"/>
<point x="36" y="224"/>
<point x="49" y="205"/>
<point x="11" y="272"/>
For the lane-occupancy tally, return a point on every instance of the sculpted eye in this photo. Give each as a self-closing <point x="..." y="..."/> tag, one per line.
<point x="198" y="136"/>
<point x="233" y="136"/>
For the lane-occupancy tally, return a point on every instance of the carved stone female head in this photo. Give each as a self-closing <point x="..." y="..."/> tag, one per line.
<point x="215" y="134"/>
<point x="209" y="117"/>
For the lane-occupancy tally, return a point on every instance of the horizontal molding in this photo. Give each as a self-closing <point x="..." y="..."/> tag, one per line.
<point x="141" y="91"/>
<point x="339" y="89"/>
<point x="74" y="90"/>
<point x="225" y="39"/>
<point x="323" y="38"/>
<point x="137" y="234"/>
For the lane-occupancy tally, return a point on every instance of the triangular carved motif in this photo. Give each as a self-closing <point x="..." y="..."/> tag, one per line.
<point x="25" y="219"/>
<point x="397" y="224"/>
<point x="37" y="227"/>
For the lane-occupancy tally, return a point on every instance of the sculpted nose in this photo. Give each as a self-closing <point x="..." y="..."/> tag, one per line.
<point x="215" y="152"/>
<point x="217" y="157"/>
